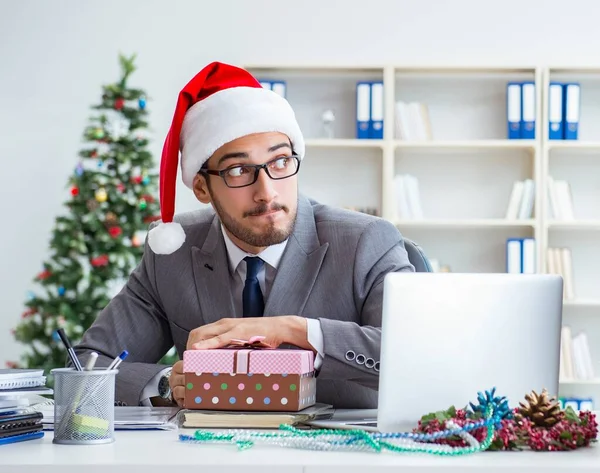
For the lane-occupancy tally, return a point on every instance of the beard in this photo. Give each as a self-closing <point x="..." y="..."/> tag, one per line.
<point x="271" y="235"/>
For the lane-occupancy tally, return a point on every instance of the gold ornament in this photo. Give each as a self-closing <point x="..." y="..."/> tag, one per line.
<point x="542" y="410"/>
<point x="101" y="195"/>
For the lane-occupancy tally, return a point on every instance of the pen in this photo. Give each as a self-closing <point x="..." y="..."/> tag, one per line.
<point x="117" y="361"/>
<point x="69" y="347"/>
<point x="91" y="361"/>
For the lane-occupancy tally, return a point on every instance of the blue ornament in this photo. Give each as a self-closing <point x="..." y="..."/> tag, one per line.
<point x="61" y="291"/>
<point x="79" y="169"/>
<point x="31" y="295"/>
<point x="146" y="181"/>
<point x="500" y="407"/>
<point x="100" y="164"/>
<point x="142" y="102"/>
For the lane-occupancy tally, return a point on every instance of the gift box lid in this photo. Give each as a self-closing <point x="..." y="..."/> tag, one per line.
<point x="248" y="360"/>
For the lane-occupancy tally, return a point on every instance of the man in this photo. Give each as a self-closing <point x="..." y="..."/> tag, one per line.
<point x="262" y="259"/>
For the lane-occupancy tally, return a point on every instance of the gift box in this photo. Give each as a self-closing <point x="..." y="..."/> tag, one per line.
<point x="249" y="379"/>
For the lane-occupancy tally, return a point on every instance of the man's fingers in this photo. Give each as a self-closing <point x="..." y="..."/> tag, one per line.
<point x="178" y="395"/>
<point x="217" y="341"/>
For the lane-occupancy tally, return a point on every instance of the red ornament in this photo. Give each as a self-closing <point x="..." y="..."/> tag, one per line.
<point x="44" y="275"/>
<point x="121" y="187"/>
<point x="148" y="198"/>
<point x="115" y="231"/>
<point x="93" y="154"/>
<point x="101" y="260"/>
<point x="119" y="103"/>
<point x="11" y="364"/>
<point x="28" y="313"/>
<point x="137" y="179"/>
<point x="74" y="190"/>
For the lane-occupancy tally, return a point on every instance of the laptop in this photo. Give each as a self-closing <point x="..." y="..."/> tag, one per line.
<point x="448" y="336"/>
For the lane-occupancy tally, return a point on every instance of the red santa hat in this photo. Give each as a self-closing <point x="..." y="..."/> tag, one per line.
<point x="220" y="104"/>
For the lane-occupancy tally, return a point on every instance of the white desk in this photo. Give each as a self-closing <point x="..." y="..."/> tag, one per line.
<point x="162" y="452"/>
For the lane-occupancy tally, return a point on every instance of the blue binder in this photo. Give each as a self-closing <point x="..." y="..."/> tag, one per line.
<point x="513" y="110"/>
<point x="555" y="111"/>
<point x="363" y="109"/>
<point x="528" y="110"/>
<point x="279" y="87"/>
<point x="376" y="119"/>
<point x="571" y="103"/>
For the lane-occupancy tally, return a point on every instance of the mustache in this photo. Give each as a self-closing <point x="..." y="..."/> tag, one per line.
<point x="264" y="208"/>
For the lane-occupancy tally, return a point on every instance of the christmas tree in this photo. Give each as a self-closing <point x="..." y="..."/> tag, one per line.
<point x="95" y="246"/>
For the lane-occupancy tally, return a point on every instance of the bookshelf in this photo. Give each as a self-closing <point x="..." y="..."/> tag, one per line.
<point x="465" y="170"/>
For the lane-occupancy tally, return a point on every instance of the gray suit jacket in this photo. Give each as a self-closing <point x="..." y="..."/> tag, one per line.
<point x="332" y="269"/>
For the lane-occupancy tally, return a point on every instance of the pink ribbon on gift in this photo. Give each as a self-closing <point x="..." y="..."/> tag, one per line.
<point x="244" y="347"/>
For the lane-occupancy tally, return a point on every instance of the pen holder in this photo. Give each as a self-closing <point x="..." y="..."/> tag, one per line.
<point x="84" y="407"/>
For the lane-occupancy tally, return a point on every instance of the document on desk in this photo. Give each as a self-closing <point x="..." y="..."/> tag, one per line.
<point x="130" y="418"/>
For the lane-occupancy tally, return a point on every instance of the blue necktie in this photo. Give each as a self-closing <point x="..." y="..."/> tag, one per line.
<point x="252" y="296"/>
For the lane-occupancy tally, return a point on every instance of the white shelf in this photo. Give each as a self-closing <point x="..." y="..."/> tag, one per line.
<point x="580" y="381"/>
<point x="464" y="223"/>
<point x="343" y="143"/>
<point x="582" y="303"/>
<point x="573" y="145"/>
<point x="574" y="224"/>
<point x="469" y="144"/>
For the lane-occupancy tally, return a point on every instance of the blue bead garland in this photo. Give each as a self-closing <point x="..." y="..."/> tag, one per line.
<point x="492" y="408"/>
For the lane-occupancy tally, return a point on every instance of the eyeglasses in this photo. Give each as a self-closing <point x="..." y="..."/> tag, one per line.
<point x="247" y="174"/>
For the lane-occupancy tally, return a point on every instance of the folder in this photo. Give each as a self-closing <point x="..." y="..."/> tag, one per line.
<point x="279" y="87"/>
<point x="363" y="109"/>
<point x="555" y="111"/>
<point x="528" y="114"/>
<point x="513" y="110"/>
<point x="528" y="264"/>
<point x="571" y="104"/>
<point x="514" y="258"/>
<point x="376" y="121"/>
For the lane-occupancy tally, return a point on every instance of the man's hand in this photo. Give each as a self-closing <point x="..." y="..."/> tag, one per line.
<point x="289" y="329"/>
<point x="177" y="383"/>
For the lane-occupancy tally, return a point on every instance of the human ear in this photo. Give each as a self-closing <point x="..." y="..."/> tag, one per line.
<point x="200" y="187"/>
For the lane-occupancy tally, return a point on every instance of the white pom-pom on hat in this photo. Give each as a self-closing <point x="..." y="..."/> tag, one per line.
<point x="166" y="238"/>
<point x="224" y="103"/>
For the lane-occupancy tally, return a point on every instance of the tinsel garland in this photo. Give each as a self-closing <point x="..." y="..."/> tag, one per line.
<point x="494" y="410"/>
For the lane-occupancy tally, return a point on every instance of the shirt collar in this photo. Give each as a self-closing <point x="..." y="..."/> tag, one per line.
<point x="271" y="255"/>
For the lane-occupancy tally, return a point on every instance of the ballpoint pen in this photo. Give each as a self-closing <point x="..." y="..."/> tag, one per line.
<point x="69" y="347"/>
<point x="117" y="361"/>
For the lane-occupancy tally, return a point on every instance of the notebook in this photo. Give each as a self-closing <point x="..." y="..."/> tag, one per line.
<point x="18" y="378"/>
<point x="251" y="419"/>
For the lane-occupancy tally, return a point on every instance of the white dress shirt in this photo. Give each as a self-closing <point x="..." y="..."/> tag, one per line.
<point x="271" y="256"/>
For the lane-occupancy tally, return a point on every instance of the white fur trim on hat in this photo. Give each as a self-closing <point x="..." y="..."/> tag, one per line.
<point x="165" y="238"/>
<point x="230" y="114"/>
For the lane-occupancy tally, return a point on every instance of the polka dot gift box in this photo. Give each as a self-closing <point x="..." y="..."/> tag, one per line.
<point x="249" y="379"/>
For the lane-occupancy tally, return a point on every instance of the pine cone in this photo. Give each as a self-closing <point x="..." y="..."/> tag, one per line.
<point x="542" y="410"/>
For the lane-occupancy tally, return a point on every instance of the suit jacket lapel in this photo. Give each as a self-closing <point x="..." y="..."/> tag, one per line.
<point x="212" y="276"/>
<point x="299" y="266"/>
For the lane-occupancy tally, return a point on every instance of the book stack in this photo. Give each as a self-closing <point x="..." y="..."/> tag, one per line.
<point x="408" y="198"/>
<point x="412" y="122"/>
<point x="20" y="392"/>
<point x="560" y="200"/>
<point x="560" y="261"/>
<point x="521" y="202"/>
<point x="575" y="359"/>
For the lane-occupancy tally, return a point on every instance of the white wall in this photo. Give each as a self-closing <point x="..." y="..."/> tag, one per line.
<point x="54" y="56"/>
